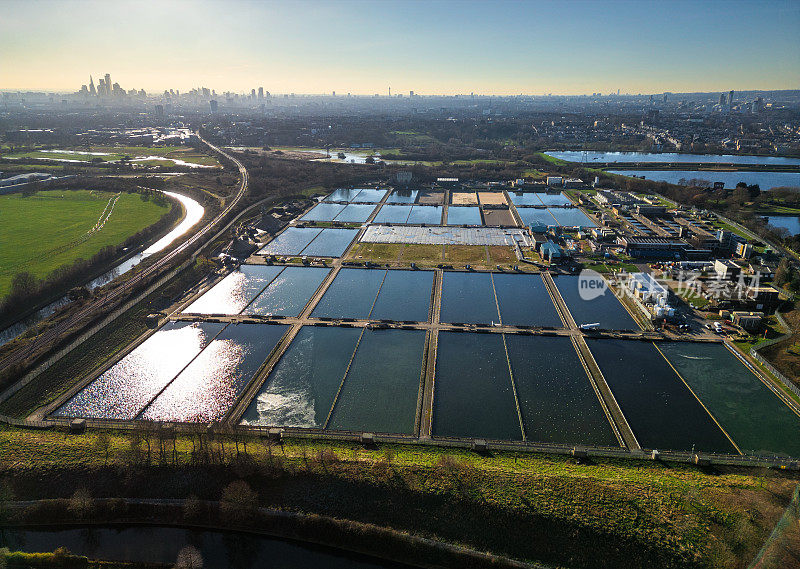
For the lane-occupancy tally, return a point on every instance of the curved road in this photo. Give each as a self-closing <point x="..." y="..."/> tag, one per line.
<point x="206" y="232"/>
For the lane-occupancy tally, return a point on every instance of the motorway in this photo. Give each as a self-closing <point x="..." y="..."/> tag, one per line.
<point x="204" y="235"/>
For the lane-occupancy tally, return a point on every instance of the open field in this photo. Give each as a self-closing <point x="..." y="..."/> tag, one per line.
<point x="601" y="513"/>
<point x="52" y="228"/>
<point x="465" y="254"/>
<point x="168" y="155"/>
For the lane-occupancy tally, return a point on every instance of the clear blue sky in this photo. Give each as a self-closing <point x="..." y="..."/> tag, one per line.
<point x="430" y="47"/>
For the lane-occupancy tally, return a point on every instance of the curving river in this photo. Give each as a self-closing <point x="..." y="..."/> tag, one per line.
<point x="194" y="213"/>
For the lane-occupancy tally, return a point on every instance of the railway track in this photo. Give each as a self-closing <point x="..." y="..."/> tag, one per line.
<point x="202" y="236"/>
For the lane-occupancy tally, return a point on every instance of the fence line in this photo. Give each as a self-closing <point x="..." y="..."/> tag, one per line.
<point x="787" y="383"/>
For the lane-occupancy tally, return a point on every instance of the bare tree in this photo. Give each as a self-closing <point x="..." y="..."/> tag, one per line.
<point x="189" y="558"/>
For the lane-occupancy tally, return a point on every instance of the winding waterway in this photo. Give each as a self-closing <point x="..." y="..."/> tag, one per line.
<point x="194" y="213"/>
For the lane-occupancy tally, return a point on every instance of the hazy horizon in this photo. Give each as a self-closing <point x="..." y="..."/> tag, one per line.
<point x="436" y="48"/>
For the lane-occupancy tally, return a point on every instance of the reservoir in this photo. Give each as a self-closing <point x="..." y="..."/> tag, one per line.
<point x="750" y="412"/>
<point x="605" y="309"/>
<point x="765" y="180"/>
<point x="299" y="391"/>
<point x="381" y="389"/>
<point x="669" y="157"/>
<point x="660" y="409"/>
<point x="393" y="214"/>
<point x="463" y="215"/>
<point x="473" y="396"/>
<point x="557" y="402"/>
<point x="789" y="222"/>
<point x="210" y="385"/>
<point x="289" y="293"/>
<point x="233" y="293"/>
<point x="124" y="390"/>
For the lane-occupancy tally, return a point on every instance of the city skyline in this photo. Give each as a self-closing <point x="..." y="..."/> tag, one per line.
<point x="509" y="48"/>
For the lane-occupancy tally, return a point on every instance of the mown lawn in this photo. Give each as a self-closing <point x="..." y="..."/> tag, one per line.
<point x="44" y="231"/>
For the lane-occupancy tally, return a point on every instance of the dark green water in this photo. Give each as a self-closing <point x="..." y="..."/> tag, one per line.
<point x="288" y="294"/>
<point x="524" y="301"/>
<point x="210" y="385"/>
<point x="748" y="410"/>
<point x="350" y="295"/>
<point x="300" y="389"/>
<point x="332" y="242"/>
<point x="472" y="392"/>
<point x="469" y="298"/>
<point x="323" y="212"/>
<point x="291" y="241"/>
<point x="218" y="550"/>
<point x="605" y="309"/>
<point x="662" y="412"/>
<point x="463" y="215"/>
<point x="124" y="390"/>
<point x="557" y="401"/>
<point x="381" y="390"/>
<point x="235" y="291"/>
<point x="404" y="295"/>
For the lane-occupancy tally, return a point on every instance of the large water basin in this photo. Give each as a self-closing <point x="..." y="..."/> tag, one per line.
<point x="403" y="196"/>
<point x="381" y="390"/>
<point x="605" y="310"/>
<point x="393" y="214"/>
<point x="468" y="298"/>
<point x="463" y="215"/>
<point x="288" y="294"/>
<point x="233" y="293"/>
<point x="369" y="195"/>
<point x="660" y="409"/>
<point x="130" y="384"/>
<point x="557" y="401"/>
<point x="342" y="195"/>
<point x="300" y="389"/>
<point x="672" y="157"/>
<point x="404" y="295"/>
<point x="790" y="223"/>
<point x="473" y="396"/>
<point x="323" y="212"/>
<point x="536" y="216"/>
<point x="571" y="217"/>
<point x="209" y="386"/>
<point x="765" y="180"/>
<point x="524" y="301"/>
<point x="750" y="412"/>
<point x="291" y="241"/>
<point x="355" y="213"/>
<point x="554" y="199"/>
<point x="332" y="242"/>
<point x="351" y="294"/>
<point x="427" y="214"/>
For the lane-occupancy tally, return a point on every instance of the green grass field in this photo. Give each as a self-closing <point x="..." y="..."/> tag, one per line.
<point x="115" y="153"/>
<point x="35" y="231"/>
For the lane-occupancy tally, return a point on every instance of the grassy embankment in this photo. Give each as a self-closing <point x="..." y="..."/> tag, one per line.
<point x="602" y="513"/>
<point x="44" y="231"/>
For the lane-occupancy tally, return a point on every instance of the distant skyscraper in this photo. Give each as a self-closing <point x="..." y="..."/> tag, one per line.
<point x="213" y="106"/>
<point x="108" y="84"/>
<point x="723" y="100"/>
<point x="730" y="98"/>
<point x="261" y="92"/>
<point x="411" y="93"/>
<point x="92" y="90"/>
